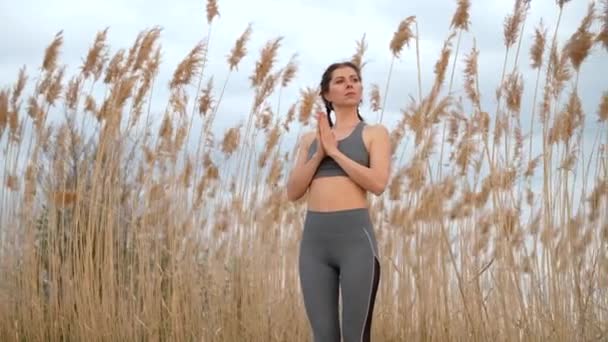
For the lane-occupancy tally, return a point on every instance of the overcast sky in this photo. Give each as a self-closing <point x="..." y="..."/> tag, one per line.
<point x="320" y="32"/>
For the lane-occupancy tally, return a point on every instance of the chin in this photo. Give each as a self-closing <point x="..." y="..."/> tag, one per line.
<point x="350" y="103"/>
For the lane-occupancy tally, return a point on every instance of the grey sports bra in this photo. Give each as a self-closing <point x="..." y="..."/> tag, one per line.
<point x="352" y="146"/>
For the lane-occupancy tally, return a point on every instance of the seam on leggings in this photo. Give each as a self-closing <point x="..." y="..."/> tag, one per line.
<point x="371" y="283"/>
<point x="371" y="244"/>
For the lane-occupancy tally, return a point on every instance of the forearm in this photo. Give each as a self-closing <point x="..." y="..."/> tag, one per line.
<point x="301" y="177"/>
<point x="364" y="176"/>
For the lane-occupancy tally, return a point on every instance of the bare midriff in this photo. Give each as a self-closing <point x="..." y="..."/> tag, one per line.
<point x="335" y="193"/>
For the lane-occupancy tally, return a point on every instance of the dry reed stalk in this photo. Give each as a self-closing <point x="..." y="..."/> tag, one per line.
<point x="401" y="38"/>
<point x="537" y="51"/>
<point x="471" y="296"/>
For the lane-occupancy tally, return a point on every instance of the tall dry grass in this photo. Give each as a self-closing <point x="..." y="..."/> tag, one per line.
<point x="114" y="227"/>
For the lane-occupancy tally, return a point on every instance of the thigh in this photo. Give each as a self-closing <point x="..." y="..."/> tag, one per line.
<point x="360" y="277"/>
<point x="319" y="283"/>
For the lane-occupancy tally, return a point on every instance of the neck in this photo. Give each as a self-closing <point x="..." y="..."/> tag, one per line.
<point x="346" y="117"/>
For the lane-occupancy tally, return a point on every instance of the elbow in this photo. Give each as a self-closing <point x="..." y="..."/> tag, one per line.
<point x="292" y="194"/>
<point x="378" y="188"/>
<point x="291" y="197"/>
<point x="378" y="191"/>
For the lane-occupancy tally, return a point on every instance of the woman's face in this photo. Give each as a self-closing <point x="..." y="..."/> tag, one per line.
<point x="345" y="89"/>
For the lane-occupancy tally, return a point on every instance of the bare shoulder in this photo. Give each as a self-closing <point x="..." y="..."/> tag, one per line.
<point x="376" y="132"/>
<point x="379" y="129"/>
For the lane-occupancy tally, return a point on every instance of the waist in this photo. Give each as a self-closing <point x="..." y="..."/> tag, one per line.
<point x="335" y="193"/>
<point x="344" y="221"/>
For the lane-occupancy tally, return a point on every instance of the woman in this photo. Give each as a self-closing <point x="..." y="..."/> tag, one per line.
<point x="337" y="165"/>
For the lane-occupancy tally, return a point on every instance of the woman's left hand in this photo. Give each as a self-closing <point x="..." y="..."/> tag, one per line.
<point x="330" y="144"/>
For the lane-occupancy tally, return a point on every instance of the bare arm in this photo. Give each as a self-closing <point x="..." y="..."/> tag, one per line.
<point x="375" y="177"/>
<point x="303" y="170"/>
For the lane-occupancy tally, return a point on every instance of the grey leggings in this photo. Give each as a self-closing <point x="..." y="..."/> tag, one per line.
<point x="338" y="251"/>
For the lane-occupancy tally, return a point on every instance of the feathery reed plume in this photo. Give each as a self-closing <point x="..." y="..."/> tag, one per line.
<point x="4" y="111"/>
<point x="265" y="89"/>
<point x="460" y="20"/>
<point x="264" y="118"/>
<point x="240" y="49"/>
<point x="416" y="121"/>
<point x="55" y="87"/>
<point x="402" y="36"/>
<point x="115" y="67"/>
<point x="470" y="76"/>
<point x="513" y="88"/>
<point x="595" y="198"/>
<point x="290" y="71"/>
<point x="374" y="96"/>
<point x="532" y="164"/>
<point x="272" y="138"/>
<point x="441" y="66"/>
<point x="357" y="58"/>
<point x="567" y="121"/>
<point x="149" y="72"/>
<point x="34" y="110"/>
<point x="134" y="49"/>
<point x="602" y="111"/>
<point x="166" y="128"/>
<point x="453" y="127"/>
<point x="602" y="36"/>
<point x="291" y="115"/>
<point x="188" y="67"/>
<point x="307" y="101"/>
<point x="538" y="48"/>
<point x="275" y="172"/>
<point x="96" y="57"/>
<point x="212" y="10"/>
<point x="231" y="140"/>
<point x="72" y="92"/>
<point x="51" y="53"/>
<point x="266" y="61"/>
<point x="416" y="175"/>
<point x="205" y="102"/>
<point x="18" y="87"/>
<point x="466" y="148"/>
<point x="578" y="46"/>
<point x="180" y="136"/>
<point x="513" y="22"/>
<point x="560" y="71"/>
<point x="143" y="49"/>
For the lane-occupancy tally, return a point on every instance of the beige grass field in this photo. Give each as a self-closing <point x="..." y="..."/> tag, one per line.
<point x="115" y="228"/>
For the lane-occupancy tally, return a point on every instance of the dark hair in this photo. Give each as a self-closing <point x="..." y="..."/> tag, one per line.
<point x="326" y="78"/>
